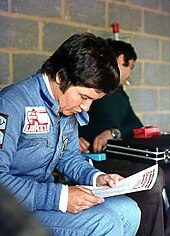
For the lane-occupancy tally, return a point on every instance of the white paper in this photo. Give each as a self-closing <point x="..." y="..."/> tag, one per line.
<point x="143" y="180"/>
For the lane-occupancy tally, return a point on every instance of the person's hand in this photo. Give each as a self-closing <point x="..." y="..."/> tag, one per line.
<point x="100" y="141"/>
<point x="108" y="179"/>
<point x="81" y="198"/>
<point x="84" y="145"/>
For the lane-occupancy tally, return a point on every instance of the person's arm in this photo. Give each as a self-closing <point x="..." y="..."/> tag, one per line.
<point x="33" y="194"/>
<point x="75" y="168"/>
<point x="100" y="141"/>
<point x="72" y="164"/>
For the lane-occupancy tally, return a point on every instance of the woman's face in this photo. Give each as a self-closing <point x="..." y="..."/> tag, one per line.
<point x="77" y="99"/>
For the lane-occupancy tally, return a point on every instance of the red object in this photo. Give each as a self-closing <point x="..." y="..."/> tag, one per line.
<point x="115" y="28"/>
<point x="146" y="132"/>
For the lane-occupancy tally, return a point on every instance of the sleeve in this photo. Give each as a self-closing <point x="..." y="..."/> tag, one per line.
<point x="73" y="165"/>
<point x="34" y="195"/>
<point x="64" y="199"/>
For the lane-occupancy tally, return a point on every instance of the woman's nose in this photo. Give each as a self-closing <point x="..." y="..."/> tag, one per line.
<point x="85" y="106"/>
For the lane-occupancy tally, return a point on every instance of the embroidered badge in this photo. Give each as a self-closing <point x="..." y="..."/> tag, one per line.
<point x="3" y="122"/>
<point x="36" y="120"/>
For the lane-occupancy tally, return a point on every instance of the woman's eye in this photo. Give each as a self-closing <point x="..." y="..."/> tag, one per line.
<point x="83" y="97"/>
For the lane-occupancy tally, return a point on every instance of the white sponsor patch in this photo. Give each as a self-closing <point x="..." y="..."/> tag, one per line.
<point x="36" y="120"/>
<point x="3" y="122"/>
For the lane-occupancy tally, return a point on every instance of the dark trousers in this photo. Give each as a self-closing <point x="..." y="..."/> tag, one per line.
<point x="166" y="169"/>
<point x="149" y="201"/>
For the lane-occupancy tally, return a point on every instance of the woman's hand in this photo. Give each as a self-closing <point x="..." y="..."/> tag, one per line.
<point x="81" y="198"/>
<point x="108" y="179"/>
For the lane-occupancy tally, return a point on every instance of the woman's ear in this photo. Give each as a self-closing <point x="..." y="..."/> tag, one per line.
<point x="120" y="59"/>
<point x="58" y="78"/>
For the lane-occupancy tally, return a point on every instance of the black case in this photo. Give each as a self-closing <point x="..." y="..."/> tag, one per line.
<point x="154" y="149"/>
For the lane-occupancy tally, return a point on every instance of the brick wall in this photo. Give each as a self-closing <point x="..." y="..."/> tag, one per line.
<point x="31" y="30"/>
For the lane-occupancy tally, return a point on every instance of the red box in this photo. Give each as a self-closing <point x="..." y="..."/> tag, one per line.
<point x="146" y="132"/>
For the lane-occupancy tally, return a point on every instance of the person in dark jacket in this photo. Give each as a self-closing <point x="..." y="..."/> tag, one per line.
<point x="106" y="115"/>
<point x="112" y="117"/>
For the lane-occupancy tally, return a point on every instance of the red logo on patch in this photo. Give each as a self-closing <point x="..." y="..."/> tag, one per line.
<point x="36" y="120"/>
<point x="3" y="122"/>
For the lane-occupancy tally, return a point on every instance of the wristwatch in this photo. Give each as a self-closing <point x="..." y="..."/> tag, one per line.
<point x="114" y="133"/>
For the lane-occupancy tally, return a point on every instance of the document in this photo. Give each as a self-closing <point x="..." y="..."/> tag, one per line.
<point x="143" y="180"/>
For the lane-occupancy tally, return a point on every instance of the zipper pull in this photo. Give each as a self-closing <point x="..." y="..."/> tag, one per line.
<point x="48" y="142"/>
